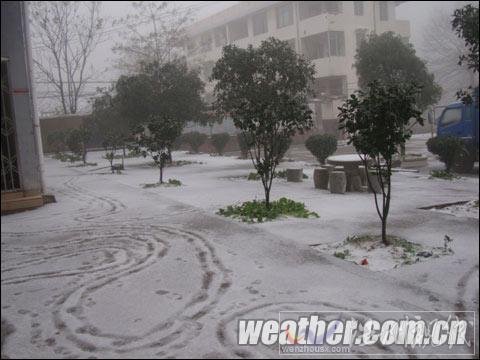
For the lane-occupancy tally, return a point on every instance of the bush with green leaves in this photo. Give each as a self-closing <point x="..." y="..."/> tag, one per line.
<point x="442" y="174"/>
<point x="258" y="211"/>
<point x="448" y="148"/>
<point x="321" y="146"/>
<point x="219" y="141"/>
<point x="56" y="141"/>
<point x="194" y="139"/>
<point x="73" y="140"/>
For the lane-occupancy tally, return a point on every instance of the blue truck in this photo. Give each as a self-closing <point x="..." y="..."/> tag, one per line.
<point x="461" y="120"/>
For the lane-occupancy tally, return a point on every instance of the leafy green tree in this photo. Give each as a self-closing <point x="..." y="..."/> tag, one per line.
<point x="77" y="140"/>
<point x="465" y="24"/>
<point x="113" y="128"/>
<point x="162" y="91"/>
<point x="265" y="91"/>
<point x="219" y="141"/>
<point x="321" y="146"/>
<point x="162" y="132"/>
<point x="375" y="120"/>
<point x="391" y="60"/>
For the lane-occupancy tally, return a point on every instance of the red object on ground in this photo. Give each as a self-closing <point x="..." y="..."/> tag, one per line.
<point x="364" y="262"/>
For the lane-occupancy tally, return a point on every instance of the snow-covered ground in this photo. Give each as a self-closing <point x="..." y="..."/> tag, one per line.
<point x="116" y="270"/>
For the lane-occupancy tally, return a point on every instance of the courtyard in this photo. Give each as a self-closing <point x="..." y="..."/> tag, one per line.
<point x="114" y="269"/>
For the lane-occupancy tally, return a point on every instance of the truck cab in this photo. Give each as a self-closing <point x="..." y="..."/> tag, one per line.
<point x="461" y="120"/>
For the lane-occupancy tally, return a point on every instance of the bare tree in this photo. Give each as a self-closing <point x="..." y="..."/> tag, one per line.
<point x="441" y="48"/>
<point x="65" y="34"/>
<point x="155" y="32"/>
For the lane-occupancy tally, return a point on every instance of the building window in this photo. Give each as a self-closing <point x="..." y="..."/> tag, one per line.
<point x="205" y="42"/>
<point x="358" y="8"/>
<point x="337" y="43"/>
<point x="333" y="7"/>
<point x="238" y="29"/>
<point x="220" y="35"/>
<point x="360" y="35"/>
<point x="315" y="46"/>
<point x="284" y="15"/>
<point x="311" y="8"/>
<point x="383" y="10"/>
<point x="260" y="25"/>
<point x="331" y="86"/>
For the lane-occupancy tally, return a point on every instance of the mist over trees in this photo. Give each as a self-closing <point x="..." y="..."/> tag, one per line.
<point x="65" y="35"/>
<point x="441" y="48"/>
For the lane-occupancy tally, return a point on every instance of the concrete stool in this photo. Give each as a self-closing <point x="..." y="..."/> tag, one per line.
<point x="320" y="178"/>
<point x="328" y="167"/>
<point x="294" y="175"/>
<point x="355" y="183"/>
<point x="375" y="184"/>
<point x="338" y="182"/>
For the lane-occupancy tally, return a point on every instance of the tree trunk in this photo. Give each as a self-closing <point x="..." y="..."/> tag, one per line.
<point x="384" y="231"/>
<point x="267" y="197"/>
<point x="123" y="157"/>
<point x="84" y="154"/>
<point x="161" y="174"/>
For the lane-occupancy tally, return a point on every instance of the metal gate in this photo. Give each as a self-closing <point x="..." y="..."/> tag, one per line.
<point x="10" y="180"/>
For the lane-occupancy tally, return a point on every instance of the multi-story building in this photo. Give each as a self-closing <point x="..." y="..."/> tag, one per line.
<point x="326" y="32"/>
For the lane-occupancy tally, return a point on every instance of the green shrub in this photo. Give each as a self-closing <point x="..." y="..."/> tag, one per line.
<point x="219" y="141"/>
<point x="195" y="139"/>
<point x="341" y="254"/>
<point x="256" y="211"/>
<point x="442" y="174"/>
<point x="253" y="176"/>
<point x="56" y="141"/>
<point x="321" y="146"/>
<point x="244" y="143"/>
<point x="73" y="140"/>
<point x="170" y="182"/>
<point x="449" y="149"/>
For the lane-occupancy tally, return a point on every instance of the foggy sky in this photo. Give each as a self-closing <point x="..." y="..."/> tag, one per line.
<point x="417" y="12"/>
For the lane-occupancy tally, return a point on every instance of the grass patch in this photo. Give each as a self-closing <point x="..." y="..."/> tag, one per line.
<point x="443" y="174"/>
<point x="168" y="183"/>
<point x="175" y="163"/>
<point x="63" y="157"/>
<point x="83" y="165"/>
<point x="395" y="241"/>
<point x="256" y="211"/>
<point x="342" y="254"/>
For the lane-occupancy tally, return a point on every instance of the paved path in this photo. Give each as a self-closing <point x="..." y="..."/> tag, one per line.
<point x="113" y="270"/>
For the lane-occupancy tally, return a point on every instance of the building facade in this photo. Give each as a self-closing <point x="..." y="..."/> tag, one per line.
<point x="326" y="32"/>
<point x="22" y="183"/>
